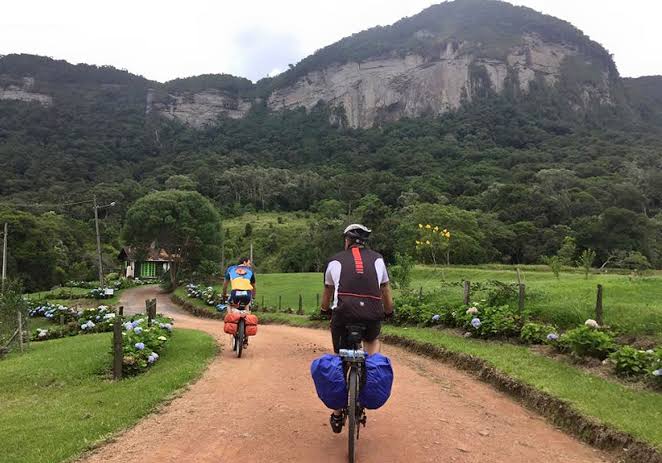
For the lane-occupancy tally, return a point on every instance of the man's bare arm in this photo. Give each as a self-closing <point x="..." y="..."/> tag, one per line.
<point x="387" y="298"/>
<point x="327" y="296"/>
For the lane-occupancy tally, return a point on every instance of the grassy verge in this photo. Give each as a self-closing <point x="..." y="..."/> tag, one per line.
<point x="630" y="304"/>
<point x="633" y="412"/>
<point x="53" y="410"/>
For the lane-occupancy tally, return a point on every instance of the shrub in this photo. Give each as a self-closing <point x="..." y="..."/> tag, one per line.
<point x="96" y="320"/>
<point x="630" y="362"/>
<point x="538" y="333"/>
<point x="489" y="322"/>
<point x="400" y="273"/>
<point x="53" y="312"/>
<point x="588" y="342"/>
<point x="100" y="293"/>
<point x="206" y="294"/>
<point x="142" y="344"/>
<point x="57" y="331"/>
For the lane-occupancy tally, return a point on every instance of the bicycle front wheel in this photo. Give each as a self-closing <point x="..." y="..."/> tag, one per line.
<point x="351" y="411"/>
<point x="241" y="332"/>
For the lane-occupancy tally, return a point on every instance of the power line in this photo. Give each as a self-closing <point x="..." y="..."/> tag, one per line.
<point x="46" y="204"/>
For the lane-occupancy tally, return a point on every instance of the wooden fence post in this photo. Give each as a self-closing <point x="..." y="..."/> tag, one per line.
<point x="521" y="297"/>
<point x="280" y="302"/>
<point x="300" y="302"/>
<point x="118" y="352"/>
<point x="317" y="297"/>
<point x="61" y="319"/>
<point x="262" y="305"/>
<point x="598" y="307"/>
<point x="467" y="292"/>
<point x="150" y="307"/>
<point x="20" y="330"/>
<point x="121" y="312"/>
<point x="420" y="293"/>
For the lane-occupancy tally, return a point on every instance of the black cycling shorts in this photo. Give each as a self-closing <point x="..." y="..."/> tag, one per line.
<point x="241" y="297"/>
<point x="339" y="332"/>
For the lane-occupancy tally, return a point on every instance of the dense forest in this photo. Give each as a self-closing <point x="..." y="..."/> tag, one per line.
<point x="512" y="178"/>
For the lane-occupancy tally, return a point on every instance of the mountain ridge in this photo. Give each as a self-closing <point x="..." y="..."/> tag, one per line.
<point x="429" y="63"/>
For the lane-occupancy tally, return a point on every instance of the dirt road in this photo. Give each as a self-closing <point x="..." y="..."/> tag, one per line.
<point x="263" y="408"/>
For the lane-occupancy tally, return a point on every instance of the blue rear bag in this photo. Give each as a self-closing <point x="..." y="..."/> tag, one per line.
<point x="379" y="380"/>
<point x="329" y="381"/>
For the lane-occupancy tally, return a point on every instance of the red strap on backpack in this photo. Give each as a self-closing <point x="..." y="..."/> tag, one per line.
<point x="358" y="261"/>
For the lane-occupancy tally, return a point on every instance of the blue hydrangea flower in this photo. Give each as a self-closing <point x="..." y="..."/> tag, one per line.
<point x="139" y="346"/>
<point x="476" y="323"/>
<point x="657" y="372"/>
<point x="436" y="317"/>
<point x="552" y="337"/>
<point x="128" y="326"/>
<point x="168" y="326"/>
<point x="137" y="330"/>
<point x="155" y="355"/>
<point x="151" y="359"/>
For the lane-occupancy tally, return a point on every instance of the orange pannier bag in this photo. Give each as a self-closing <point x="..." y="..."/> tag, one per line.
<point x="231" y="323"/>
<point x="251" y="325"/>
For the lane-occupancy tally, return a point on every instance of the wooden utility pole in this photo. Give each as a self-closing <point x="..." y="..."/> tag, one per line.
<point x="252" y="254"/>
<point x="96" y="224"/>
<point x="4" y="257"/>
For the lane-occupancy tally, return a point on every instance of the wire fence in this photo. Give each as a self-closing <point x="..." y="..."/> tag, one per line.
<point x="14" y="322"/>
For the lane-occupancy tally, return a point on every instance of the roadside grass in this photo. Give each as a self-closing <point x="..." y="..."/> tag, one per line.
<point x="636" y="412"/>
<point x="57" y="400"/>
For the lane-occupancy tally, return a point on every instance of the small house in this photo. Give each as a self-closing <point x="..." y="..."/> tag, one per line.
<point x="149" y="264"/>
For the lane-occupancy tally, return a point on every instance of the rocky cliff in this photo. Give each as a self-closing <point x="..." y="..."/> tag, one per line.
<point x="379" y="90"/>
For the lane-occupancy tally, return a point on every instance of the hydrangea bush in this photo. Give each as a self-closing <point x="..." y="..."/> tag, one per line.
<point x="630" y="362"/>
<point x="538" y="333"/>
<point x="53" y="312"/>
<point x="206" y="294"/>
<point x="142" y="344"/>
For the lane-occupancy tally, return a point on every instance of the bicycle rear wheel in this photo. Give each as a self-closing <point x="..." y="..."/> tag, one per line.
<point x="351" y="411"/>
<point x="241" y="332"/>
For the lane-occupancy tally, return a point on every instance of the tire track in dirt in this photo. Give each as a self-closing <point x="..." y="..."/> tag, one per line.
<point x="263" y="408"/>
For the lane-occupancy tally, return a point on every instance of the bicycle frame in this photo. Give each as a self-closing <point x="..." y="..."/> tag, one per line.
<point x="354" y="368"/>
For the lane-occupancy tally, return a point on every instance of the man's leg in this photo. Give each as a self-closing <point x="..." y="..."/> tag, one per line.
<point x="372" y="347"/>
<point x="370" y="342"/>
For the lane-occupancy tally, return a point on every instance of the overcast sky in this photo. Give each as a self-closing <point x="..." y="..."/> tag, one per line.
<point x="165" y="39"/>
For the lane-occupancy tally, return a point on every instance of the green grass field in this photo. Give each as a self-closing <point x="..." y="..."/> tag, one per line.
<point x="632" y="305"/>
<point x="265" y="220"/>
<point x="57" y="400"/>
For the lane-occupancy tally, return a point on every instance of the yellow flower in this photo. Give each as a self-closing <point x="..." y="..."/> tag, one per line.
<point x="427" y="241"/>
<point x="418" y="242"/>
<point x="436" y="229"/>
<point x="448" y="235"/>
<point x="428" y="226"/>
<point x="420" y="225"/>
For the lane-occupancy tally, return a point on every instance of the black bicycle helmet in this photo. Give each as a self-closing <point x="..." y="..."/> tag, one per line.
<point x="357" y="233"/>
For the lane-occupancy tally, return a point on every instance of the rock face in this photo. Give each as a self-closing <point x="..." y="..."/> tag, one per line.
<point x="24" y="93"/>
<point x="381" y="90"/>
<point x="199" y="109"/>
